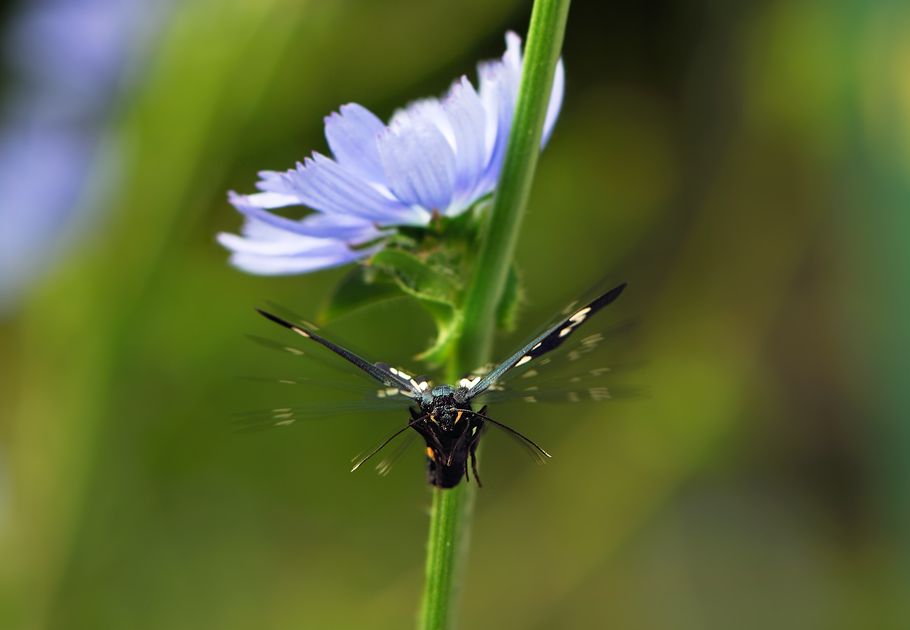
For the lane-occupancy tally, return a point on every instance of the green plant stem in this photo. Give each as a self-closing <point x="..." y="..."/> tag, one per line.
<point x="545" y="35"/>
<point x="451" y="510"/>
<point x="450" y="518"/>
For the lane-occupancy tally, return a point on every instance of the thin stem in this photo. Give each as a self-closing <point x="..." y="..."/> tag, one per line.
<point x="450" y="518"/>
<point x="545" y="35"/>
<point x="451" y="511"/>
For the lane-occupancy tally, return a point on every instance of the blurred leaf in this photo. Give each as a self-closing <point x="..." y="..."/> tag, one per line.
<point x="425" y="282"/>
<point x="361" y="287"/>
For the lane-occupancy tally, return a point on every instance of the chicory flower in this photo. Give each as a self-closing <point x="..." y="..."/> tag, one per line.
<point x="436" y="157"/>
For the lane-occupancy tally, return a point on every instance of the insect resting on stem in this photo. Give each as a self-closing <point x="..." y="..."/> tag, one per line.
<point x="443" y="415"/>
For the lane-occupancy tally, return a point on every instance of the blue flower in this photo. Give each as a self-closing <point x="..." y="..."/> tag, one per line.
<point x="435" y="157"/>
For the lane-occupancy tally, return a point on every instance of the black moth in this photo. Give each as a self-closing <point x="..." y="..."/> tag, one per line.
<point x="443" y="415"/>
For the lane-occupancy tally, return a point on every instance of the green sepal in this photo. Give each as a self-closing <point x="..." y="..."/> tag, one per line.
<point x="448" y="324"/>
<point x="436" y="288"/>
<point x="417" y="278"/>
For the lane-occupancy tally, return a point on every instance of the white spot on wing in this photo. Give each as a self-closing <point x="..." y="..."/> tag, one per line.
<point x="388" y="392"/>
<point x="565" y="331"/>
<point x="580" y="316"/>
<point x="523" y="360"/>
<point x="469" y="382"/>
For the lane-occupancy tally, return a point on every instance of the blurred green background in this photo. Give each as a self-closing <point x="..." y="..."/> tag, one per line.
<point x="746" y="166"/>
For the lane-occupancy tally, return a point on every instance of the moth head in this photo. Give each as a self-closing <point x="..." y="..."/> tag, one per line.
<point x="449" y="418"/>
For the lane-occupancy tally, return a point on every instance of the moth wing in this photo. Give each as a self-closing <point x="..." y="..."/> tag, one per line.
<point x="381" y="372"/>
<point x="547" y="341"/>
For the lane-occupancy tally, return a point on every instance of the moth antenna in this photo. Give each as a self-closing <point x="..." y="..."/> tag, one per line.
<point x="385" y="466"/>
<point x="360" y="461"/>
<point x="512" y="431"/>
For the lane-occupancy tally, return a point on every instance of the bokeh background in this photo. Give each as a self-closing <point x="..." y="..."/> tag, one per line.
<point x="745" y="165"/>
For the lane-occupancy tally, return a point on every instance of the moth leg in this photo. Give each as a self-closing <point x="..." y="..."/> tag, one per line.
<point x="473" y="450"/>
<point x="458" y="443"/>
<point x="473" y="466"/>
<point x="467" y="476"/>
